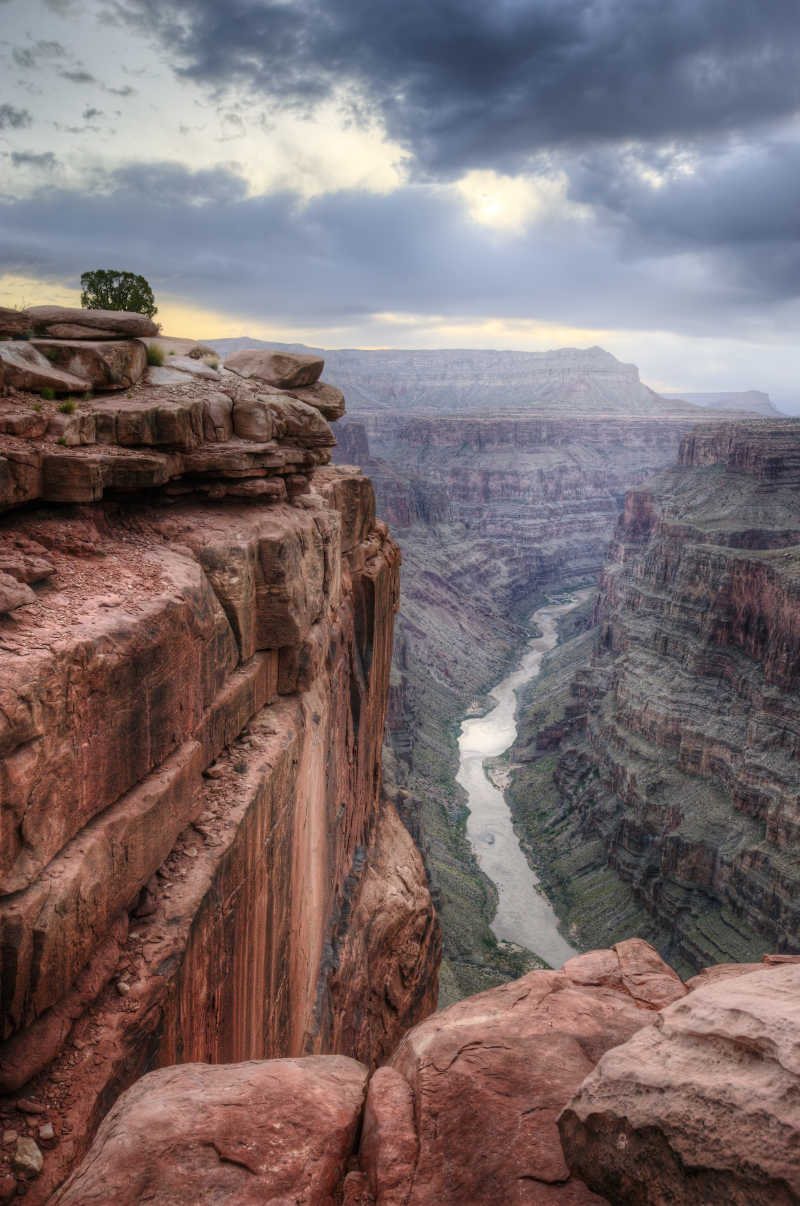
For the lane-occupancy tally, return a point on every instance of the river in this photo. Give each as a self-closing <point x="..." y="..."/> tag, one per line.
<point x="524" y="914"/>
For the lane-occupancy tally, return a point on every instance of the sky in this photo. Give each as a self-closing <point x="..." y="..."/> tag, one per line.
<point x="426" y="173"/>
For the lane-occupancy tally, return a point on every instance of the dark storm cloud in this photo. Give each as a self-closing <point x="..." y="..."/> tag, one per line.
<point x="346" y="256"/>
<point x="78" y="77"/>
<point x="12" y="118"/>
<point x="741" y="196"/>
<point x="31" y="56"/>
<point x="466" y="83"/>
<point x="45" y="160"/>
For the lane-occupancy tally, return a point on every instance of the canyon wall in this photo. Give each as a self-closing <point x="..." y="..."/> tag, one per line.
<point x="491" y="512"/>
<point x="661" y="792"/>
<point x="197" y="859"/>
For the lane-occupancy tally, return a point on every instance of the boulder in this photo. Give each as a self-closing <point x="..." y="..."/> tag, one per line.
<point x="13" y="593"/>
<point x="265" y="1131"/>
<point x="703" y="1106"/>
<point x="26" y="368"/>
<point x="110" y="364"/>
<point x="286" y="370"/>
<point x="120" y="322"/>
<point x="328" y="400"/>
<point x="488" y="1078"/>
<point x="15" y="323"/>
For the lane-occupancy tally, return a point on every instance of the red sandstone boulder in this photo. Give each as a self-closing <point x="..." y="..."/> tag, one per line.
<point x="26" y="368"/>
<point x="118" y="322"/>
<point x="105" y="364"/>
<point x="328" y="400"/>
<point x="703" y="1106"/>
<point x="282" y="369"/>
<point x="466" y="1112"/>
<point x="272" y="1131"/>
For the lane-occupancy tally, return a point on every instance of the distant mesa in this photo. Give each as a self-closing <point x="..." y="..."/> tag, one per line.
<point x="582" y="380"/>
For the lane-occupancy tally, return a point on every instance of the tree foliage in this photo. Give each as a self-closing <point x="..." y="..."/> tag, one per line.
<point x="108" y="289"/>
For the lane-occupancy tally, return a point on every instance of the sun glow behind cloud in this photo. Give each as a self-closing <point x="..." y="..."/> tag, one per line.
<point x="513" y="202"/>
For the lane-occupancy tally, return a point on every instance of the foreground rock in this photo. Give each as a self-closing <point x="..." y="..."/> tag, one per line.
<point x="282" y="369"/>
<point x="702" y="1107"/>
<point x="467" y="1109"/>
<point x="235" y="1135"/>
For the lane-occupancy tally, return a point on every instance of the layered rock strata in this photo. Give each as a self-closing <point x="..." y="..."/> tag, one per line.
<point x="194" y="666"/>
<point x="677" y="761"/>
<point x="491" y="512"/>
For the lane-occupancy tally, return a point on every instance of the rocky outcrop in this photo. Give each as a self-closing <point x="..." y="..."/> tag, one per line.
<point x="678" y="765"/>
<point x="281" y="369"/>
<point x="196" y="861"/>
<point x="753" y="401"/>
<point x="701" y="1107"/>
<point x="238" y="1134"/>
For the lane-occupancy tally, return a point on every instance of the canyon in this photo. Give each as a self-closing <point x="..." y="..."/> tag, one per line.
<point x="221" y="945"/>
<point x="493" y="512"/>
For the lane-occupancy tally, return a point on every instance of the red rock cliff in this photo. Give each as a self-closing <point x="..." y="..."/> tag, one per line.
<point x="196" y="861"/>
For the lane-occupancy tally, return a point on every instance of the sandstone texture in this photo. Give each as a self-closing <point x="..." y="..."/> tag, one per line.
<point x="235" y="1135"/>
<point x="111" y="322"/>
<point x="195" y="648"/>
<point x="108" y="364"/>
<point x="466" y="1109"/>
<point x="701" y="1107"/>
<point x="673" y="772"/>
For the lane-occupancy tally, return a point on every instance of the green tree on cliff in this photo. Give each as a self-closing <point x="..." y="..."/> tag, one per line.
<point x="108" y="289"/>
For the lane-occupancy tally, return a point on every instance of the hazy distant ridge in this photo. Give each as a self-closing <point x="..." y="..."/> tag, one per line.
<point x="582" y="379"/>
<point x="751" y="400"/>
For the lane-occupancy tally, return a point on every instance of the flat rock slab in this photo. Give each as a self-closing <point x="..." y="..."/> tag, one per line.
<point x="121" y="322"/>
<point x="277" y="1131"/>
<point x="24" y="367"/>
<point x="105" y="364"/>
<point x="282" y="369"/>
<point x="703" y="1106"/>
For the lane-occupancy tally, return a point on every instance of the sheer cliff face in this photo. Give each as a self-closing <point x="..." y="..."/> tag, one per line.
<point x="192" y="703"/>
<point x="685" y="763"/>
<point x="490" y="512"/>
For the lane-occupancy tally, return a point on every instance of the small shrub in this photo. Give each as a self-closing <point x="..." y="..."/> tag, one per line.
<point x="37" y="406"/>
<point x="211" y="361"/>
<point x="49" y="353"/>
<point x="67" y="407"/>
<point x="62" y="440"/>
<point x="47" y="393"/>
<point x="155" y="354"/>
<point x="171" y="352"/>
<point x="87" y="397"/>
